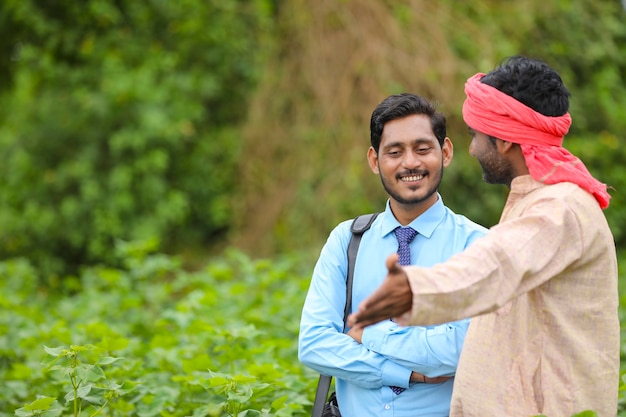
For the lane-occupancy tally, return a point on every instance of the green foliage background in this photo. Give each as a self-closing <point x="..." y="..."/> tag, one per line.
<point x="195" y="127"/>
<point x="201" y="125"/>
<point x="120" y="122"/>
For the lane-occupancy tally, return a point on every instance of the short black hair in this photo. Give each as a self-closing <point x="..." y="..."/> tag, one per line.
<point x="401" y="105"/>
<point x="532" y="82"/>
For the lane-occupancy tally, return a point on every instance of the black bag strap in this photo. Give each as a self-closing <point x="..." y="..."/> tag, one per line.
<point x="359" y="226"/>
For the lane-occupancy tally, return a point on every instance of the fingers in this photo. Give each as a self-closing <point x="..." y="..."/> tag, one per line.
<point x="358" y="321"/>
<point x="379" y="305"/>
<point x="392" y="264"/>
<point x="391" y="299"/>
<point x="356" y="333"/>
<point x="365" y="315"/>
<point x="437" y="379"/>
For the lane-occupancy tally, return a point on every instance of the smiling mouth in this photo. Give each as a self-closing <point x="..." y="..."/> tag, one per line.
<point x="412" y="178"/>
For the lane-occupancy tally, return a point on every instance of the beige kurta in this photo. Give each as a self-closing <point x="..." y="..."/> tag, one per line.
<point x="544" y="284"/>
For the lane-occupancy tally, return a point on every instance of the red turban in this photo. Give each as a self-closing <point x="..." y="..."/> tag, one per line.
<point x="488" y="110"/>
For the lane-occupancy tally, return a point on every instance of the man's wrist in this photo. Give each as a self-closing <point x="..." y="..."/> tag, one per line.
<point x="416" y="377"/>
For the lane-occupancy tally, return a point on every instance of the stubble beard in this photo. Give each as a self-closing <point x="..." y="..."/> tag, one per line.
<point x="416" y="200"/>
<point x="496" y="170"/>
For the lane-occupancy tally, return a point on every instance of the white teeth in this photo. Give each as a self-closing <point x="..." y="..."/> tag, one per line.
<point x="413" y="178"/>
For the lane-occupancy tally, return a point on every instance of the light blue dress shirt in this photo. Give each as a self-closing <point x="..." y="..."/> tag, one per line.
<point x="388" y="353"/>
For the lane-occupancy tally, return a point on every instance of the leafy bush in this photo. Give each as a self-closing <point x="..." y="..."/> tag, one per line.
<point x="121" y="122"/>
<point x="129" y="120"/>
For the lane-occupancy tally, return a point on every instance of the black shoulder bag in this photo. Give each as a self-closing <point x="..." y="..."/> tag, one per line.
<point x="323" y="406"/>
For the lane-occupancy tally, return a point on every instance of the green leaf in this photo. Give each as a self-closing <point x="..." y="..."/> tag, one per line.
<point x="82" y="348"/>
<point x="279" y="402"/>
<point x="127" y="386"/>
<point x="90" y="373"/>
<point x="586" y="413"/>
<point x="40" y="404"/>
<point x="88" y="393"/>
<point x="107" y="360"/>
<point x="56" y="352"/>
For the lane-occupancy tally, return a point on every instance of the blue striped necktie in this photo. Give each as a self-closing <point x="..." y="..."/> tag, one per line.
<point x="404" y="235"/>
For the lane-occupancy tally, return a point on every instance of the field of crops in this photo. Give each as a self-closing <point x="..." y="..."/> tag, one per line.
<point x="151" y="339"/>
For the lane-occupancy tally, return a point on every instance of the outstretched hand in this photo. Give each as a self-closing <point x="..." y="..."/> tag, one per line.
<point x="392" y="299"/>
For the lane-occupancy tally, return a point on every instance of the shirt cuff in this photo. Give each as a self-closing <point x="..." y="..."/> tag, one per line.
<point x="373" y="338"/>
<point x="395" y="375"/>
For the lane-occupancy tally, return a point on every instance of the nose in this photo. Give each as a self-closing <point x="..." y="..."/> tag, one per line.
<point x="411" y="159"/>
<point x="472" y="147"/>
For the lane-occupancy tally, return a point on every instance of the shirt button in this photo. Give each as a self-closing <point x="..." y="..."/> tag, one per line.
<point x="387" y="406"/>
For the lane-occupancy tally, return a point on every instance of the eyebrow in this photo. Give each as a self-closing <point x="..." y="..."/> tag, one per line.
<point x="413" y="142"/>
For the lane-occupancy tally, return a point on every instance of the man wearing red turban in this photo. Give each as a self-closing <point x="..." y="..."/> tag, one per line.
<point x="542" y="285"/>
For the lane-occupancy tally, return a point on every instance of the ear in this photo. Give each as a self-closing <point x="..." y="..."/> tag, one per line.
<point x="372" y="159"/>
<point x="513" y="152"/>
<point x="448" y="151"/>
<point x="505" y="147"/>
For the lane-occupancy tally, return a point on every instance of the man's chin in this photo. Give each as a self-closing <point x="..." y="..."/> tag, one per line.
<point x="414" y="200"/>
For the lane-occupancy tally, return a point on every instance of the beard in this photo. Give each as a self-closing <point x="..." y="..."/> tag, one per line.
<point x="431" y="187"/>
<point x="495" y="169"/>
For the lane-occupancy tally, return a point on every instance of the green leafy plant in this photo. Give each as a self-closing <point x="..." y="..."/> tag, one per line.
<point x="152" y="339"/>
<point x="85" y="378"/>
<point x="41" y="407"/>
<point x="133" y="132"/>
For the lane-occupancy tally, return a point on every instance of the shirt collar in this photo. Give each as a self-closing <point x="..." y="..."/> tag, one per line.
<point x="425" y="224"/>
<point x="520" y="187"/>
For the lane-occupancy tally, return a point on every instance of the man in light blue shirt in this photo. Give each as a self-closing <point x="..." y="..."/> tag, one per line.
<point x="385" y="369"/>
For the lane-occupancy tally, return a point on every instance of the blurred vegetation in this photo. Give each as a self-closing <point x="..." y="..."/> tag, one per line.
<point x="340" y="59"/>
<point x="197" y="125"/>
<point x="120" y="122"/>
<point x="151" y="338"/>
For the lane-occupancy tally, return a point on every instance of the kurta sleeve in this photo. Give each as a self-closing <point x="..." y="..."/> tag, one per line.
<point x="514" y="257"/>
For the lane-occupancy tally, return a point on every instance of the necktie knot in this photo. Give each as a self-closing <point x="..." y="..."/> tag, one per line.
<point x="405" y="234"/>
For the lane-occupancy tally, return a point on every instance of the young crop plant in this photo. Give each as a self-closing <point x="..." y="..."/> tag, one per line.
<point x="86" y="385"/>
